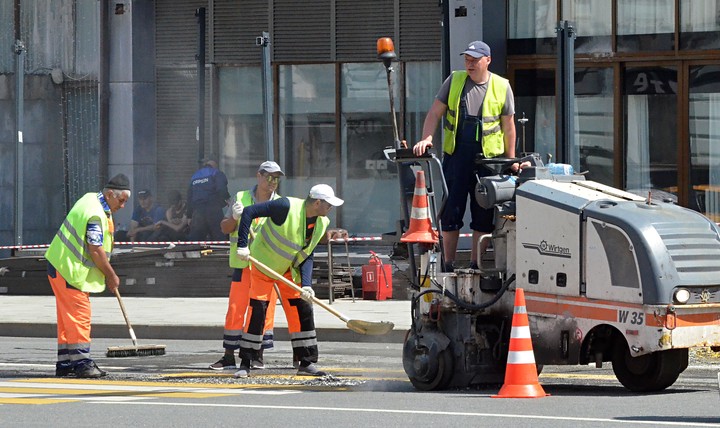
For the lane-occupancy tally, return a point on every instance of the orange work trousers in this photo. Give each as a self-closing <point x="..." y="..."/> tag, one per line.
<point x="238" y="306"/>
<point x="73" y="319"/>
<point x="299" y="315"/>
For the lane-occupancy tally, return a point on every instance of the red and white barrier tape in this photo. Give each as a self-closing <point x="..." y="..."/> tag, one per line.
<point x="167" y="243"/>
<point x="176" y="243"/>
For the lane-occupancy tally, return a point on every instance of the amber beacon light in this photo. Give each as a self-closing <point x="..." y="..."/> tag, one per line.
<point x="386" y="50"/>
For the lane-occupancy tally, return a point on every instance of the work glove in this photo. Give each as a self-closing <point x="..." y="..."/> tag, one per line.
<point x="243" y="253"/>
<point x="237" y="210"/>
<point x="307" y="294"/>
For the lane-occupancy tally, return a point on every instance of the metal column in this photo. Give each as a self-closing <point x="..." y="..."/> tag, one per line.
<point x="200" y="130"/>
<point x="565" y="88"/>
<point x="264" y="42"/>
<point x="19" y="50"/>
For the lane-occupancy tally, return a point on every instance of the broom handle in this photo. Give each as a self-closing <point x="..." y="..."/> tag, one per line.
<point x="127" y="321"/>
<point x="298" y="289"/>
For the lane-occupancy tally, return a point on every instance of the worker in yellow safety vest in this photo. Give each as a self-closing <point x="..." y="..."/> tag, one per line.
<point x="285" y="244"/>
<point x="79" y="264"/>
<point x="479" y="110"/>
<point x="268" y="179"/>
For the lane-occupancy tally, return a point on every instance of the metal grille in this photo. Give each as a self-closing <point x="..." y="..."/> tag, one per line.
<point x="302" y="30"/>
<point x="358" y="25"/>
<point x="693" y="247"/>
<point x="420" y="30"/>
<point x="235" y="27"/>
<point x="176" y="31"/>
<point x="176" y="79"/>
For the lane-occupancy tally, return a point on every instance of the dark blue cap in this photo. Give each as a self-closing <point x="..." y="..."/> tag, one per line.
<point x="477" y="49"/>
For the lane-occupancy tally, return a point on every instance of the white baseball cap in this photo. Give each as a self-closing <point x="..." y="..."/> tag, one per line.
<point x="270" y="167"/>
<point x="326" y="193"/>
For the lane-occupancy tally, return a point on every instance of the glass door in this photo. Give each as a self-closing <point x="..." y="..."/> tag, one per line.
<point x="650" y="131"/>
<point x="704" y="137"/>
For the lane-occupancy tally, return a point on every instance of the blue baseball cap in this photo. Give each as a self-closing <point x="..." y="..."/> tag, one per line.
<point x="477" y="49"/>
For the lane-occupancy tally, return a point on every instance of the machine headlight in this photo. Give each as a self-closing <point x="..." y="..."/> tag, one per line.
<point x="682" y="295"/>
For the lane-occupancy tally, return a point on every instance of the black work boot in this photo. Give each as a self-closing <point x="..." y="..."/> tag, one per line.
<point x="89" y="370"/>
<point x="64" y="369"/>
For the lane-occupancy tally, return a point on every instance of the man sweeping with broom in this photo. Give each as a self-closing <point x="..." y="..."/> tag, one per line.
<point x="284" y="246"/>
<point x="79" y="264"/>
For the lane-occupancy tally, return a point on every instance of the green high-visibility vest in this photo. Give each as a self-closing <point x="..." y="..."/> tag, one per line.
<point x="282" y="247"/>
<point x="493" y="139"/>
<point x="68" y="251"/>
<point x="246" y="199"/>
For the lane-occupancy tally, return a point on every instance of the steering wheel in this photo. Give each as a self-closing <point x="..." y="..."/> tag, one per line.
<point x="497" y="165"/>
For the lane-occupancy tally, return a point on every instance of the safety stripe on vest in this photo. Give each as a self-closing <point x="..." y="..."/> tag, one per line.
<point x="300" y="257"/>
<point x="84" y="259"/>
<point x="283" y="240"/>
<point x="490" y="119"/>
<point x="494" y="130"/>
<point x="233" y="239"/>
<point x="280" y="252"/>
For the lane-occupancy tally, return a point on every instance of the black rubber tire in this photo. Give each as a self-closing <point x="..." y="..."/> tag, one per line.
<point x="441" y="377"/>
<point x="650" y="372"/>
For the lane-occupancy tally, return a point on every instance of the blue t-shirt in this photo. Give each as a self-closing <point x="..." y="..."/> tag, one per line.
<point x="146" y="218"/>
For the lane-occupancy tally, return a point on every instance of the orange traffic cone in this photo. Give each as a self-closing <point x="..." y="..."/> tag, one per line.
<point x="420" y="230"/>
<point x="521" y="379"/>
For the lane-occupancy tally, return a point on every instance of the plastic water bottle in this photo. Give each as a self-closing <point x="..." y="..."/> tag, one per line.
<point x="560" y="169"/>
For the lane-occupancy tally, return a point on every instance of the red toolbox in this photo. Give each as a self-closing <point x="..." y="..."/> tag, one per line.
<point x="376" y="279"/>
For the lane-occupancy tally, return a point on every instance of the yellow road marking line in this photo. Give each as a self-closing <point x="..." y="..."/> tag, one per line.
<point x="33" y="401"/>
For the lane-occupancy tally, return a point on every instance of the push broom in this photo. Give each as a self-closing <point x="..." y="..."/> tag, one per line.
<point x="135" y="350"/>
<point x="371" y="328"/>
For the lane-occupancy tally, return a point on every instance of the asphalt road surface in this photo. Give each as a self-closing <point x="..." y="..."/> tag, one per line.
<point x="366" y="387"/>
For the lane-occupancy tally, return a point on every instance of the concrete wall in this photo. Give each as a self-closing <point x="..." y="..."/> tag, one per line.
<point x="132" y="140"/>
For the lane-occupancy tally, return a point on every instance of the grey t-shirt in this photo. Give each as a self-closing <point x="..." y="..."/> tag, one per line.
<point x="475" y="95"/>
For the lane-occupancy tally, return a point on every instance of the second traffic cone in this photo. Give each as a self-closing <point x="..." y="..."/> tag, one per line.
<point x="420" y="229"/>
<point x="521" y="378"/>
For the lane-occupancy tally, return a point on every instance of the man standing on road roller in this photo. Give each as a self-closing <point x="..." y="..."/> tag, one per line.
<point x="285" y="244"/>
<point x="79" y="264"/>
<point x="479" y="109"/>
<point x="268" y="178"/>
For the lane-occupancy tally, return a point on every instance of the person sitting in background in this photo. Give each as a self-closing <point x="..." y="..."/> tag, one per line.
<point x="144" y="217"/>
<point x="175" y="227"/>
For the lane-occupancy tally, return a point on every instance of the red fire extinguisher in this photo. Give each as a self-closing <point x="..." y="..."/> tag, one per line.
<point x="377" y="279"/>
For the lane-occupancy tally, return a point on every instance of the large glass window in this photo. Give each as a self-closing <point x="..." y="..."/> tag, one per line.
<point x="593" y="24"/>
<point x="531" y="27"/>
<point x="650" y="105"/>
<point x="366" y="130"/>
<point x="241" y="127"/>
<point x="705" y="139"/>
<point x="644" y="25"/>
<point x="308" y="147"/>
<point x="699" y="24"/>
<point x="422" y="81"/>
<point x="535" y="100"/>
<point x="594" y="122"/>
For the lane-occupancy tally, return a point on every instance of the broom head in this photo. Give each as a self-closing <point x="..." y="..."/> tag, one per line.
<point x="135" y="351"/>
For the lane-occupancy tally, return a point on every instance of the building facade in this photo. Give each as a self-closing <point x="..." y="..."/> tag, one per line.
<point x="113" y="87"/>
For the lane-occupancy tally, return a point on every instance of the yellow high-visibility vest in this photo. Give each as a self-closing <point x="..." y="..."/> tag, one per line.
<point x="68" y="251"/>
<point x="493" y="139"/>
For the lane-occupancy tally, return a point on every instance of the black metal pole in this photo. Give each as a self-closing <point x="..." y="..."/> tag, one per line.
<point x="565" y="87"/>
<point x="200" y="57"/>
<point x="19" y="50"/>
